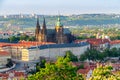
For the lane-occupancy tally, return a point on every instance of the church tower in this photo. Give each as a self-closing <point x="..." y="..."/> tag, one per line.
<point x="41" y="32"/>
<point x="37" y="30"/>
<point x="59" y="32"/>
<point x="44" y="31"/>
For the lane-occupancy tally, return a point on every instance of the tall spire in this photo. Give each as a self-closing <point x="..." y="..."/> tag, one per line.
<point x="44" y="23"/>
<point x="44" y="30"/>
<point x="38" y="25"/>
<point x="37" y="30"/>
<point x="44" y="26"/>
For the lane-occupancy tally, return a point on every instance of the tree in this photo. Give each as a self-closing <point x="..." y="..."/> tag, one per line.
<point x="40" y="65"/>
<point x="91" y="54"/>
<point x="24" y="37"/>
<point x="104" y="73"/>
<point x="71" y="56"/>
<point x="82" y="57"/>
<point x="31" y="38"/>
<point x="13" y="38"/>
<point x="61" y="70"/>
<point x="9" y="63"/>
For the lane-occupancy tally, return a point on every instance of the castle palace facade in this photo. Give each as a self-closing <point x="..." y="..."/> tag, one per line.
<point x="58" y="35"/>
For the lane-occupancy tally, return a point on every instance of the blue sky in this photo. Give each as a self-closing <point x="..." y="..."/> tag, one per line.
<point x="64" y="6"/>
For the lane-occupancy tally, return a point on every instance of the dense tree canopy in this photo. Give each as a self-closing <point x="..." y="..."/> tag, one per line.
<point x="71" y="56"/>
<point x="104" y="73"/>
<point x="92" y="54"/>
<point x="21" y="37"/>
<point x="61" y="70"/>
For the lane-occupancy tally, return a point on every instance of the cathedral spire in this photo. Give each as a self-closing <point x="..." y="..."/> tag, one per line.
<point x="38" y="25"/>
<point x="44" y="23"/>
<point x="44" y="27"/>
<point x="44" y="30"/>
<point x="37" y="30"/>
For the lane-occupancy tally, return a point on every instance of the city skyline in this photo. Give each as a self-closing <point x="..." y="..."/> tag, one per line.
<point x="52" y="7"/>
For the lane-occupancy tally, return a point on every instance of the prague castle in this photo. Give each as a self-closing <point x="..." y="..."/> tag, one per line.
<point x="58" y="35"/>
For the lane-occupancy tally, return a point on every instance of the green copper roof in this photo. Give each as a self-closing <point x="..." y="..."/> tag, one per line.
<point x="59" y="24"/>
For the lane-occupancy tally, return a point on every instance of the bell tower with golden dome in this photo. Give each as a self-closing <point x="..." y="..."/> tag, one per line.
<point x="59" y="32"/>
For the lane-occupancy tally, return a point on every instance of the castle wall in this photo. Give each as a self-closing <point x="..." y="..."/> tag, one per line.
<point x="53" y="53"/>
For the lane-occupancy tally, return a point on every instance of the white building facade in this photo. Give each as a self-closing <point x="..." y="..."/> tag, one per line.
<point x="52" y="51"/>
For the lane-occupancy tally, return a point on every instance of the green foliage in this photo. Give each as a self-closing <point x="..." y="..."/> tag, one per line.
<point x="94" y="55"/>
<point x="9" y="63"/>
<point x="13" y="38"/>
<point x="104" y="73"/>
<point x="31" y="38"/>
<point x="40" y="65"/>
<point x="22" y="37"/>
<point x="71" y="56"/>
<point x="82" y="37"/>
<point x="81" y="66"/>
<point x="90" y="54"/>
<point x="61" y="70"/>
<point x="83" y="57"/>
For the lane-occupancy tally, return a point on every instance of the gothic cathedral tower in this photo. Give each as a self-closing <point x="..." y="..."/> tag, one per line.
<point x="41" y="33"/>
<point x="44" y="31"/>
<point x="37" y="30"/>
<point x="59" y="32"/>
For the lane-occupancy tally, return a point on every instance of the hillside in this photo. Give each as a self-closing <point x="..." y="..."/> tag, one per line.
<point x="73" y="20"/>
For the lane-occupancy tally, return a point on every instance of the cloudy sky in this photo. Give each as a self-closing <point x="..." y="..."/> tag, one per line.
<point x="64" y="6"/>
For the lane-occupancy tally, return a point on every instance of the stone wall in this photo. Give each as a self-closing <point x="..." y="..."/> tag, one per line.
<point x="53" y="53"/>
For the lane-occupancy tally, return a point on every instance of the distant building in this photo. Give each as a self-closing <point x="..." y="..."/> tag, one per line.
<point x="98" y="44"/>
<point x="115" y="44"/>
<point x="58" y="35"/>
<point x="33" y="50"/>
<point x="52" y="51"/>
<point x="13" y="75"/>
<point x="4" y="55"/>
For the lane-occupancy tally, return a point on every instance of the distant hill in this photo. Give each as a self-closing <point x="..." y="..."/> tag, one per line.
<point x="73" y="20"/>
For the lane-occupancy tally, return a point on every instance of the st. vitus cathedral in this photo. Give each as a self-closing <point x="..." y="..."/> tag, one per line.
<point x="58" y="35"/>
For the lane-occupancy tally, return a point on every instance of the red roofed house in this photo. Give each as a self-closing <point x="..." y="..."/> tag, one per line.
<point x="98" y="44"/>
<point x="115" y="44"/>
<point x="14" y="75"/>
<point x="87" y="70"/>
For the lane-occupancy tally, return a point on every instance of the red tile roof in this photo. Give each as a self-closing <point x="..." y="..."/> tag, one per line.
<point x="4" y="75"/>
<point x="2" y="44"/>
<point x="25" y="44"/>
<point x="4" y="53"/>
<point x="18" y="74"/>
<point x="79" y="41"/>
<point x="94" y="41"/>
<point x="86" y="65"/>
<point x="115" y="42"/>
<point x="77" y="64"/>
<point x="83" y="71"/>
<point x="15" y="74"/>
